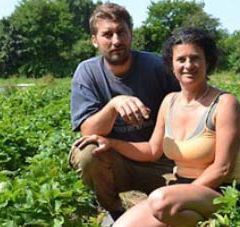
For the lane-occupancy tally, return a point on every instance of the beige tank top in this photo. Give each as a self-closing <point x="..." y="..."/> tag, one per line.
<point x="194" y="154"/>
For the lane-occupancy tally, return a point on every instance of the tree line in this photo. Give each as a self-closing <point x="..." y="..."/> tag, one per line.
<point x="52" y="36"/>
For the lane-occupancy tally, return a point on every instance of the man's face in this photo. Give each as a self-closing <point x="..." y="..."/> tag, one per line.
<point x="113" y="40"/>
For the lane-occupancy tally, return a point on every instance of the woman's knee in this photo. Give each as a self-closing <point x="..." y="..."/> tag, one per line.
<point x="156" y="200"/>
<point x="161" y="204"/>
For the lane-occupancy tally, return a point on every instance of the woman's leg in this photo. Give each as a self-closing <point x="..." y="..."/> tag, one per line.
<point x="139" y="216"/>
<point x="184" y="204"/>
<point x="177" y="205"/>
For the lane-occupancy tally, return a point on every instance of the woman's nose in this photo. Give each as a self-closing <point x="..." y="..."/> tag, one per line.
<point x="188" y="64"/>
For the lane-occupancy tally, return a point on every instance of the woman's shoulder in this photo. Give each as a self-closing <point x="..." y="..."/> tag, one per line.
<point x="220" y="96"/>
<point x="168" y="100"/>
<point x="170" y="96"/>
<point x="226" y="98"/>
<point x="227" y="102"/>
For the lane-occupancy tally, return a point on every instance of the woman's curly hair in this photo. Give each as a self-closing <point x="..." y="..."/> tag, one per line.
<point x="191" y="35"/>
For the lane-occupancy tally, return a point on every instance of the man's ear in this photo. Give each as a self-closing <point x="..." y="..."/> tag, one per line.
<point x="94" y="41"/>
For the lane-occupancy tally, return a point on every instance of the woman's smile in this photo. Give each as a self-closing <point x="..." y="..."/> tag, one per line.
<point x="189" y="62"/>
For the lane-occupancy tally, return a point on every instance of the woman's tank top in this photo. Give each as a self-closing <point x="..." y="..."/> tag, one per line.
<point x="194" y="154"/>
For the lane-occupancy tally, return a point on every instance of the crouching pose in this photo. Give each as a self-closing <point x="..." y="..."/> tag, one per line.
<point x="117" y="95"/>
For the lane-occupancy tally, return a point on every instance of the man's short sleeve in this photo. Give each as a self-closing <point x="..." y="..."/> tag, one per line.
<point x="84" y="98"/>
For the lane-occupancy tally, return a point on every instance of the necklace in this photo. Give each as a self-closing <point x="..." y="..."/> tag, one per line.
<point x="198" y="99"/>
<point x="204" y="94"/>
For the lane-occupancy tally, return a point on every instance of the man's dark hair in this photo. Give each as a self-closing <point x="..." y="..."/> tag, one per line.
<point x="109" y="11"/>
<point x="191" y="35"/>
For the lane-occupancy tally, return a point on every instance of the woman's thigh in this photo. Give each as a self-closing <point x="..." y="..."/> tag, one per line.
<point x="175" y="204"/>
<point x="138" y="216"/>
<point x="175" y="198"/>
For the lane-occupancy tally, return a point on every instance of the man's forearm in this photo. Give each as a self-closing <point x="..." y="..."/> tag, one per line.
<point x="101" y="123"/>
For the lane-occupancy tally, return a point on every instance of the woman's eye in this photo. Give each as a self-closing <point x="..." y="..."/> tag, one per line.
<point x="181" y="60"/>
<point x="196" y="58"/>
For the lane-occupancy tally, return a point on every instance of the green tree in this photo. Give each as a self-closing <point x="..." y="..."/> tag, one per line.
<point x="82" y="47"/>
<point x="81" y="10"/>
<point x="51" y="32"/>
<point x="46" y="27"/>
<point x="139" y="39"/>
<point x="232" y="51"/>
<point x="222" y="35"/>
<point x="10" y="48"/>
<point x="166" y="15"/>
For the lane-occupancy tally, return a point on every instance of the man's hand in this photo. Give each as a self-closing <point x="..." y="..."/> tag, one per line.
<point x="101" y="142"/>
<point x="131" y="109"/>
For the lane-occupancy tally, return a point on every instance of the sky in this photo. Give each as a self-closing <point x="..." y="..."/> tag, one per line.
<point x="227" y="11"/>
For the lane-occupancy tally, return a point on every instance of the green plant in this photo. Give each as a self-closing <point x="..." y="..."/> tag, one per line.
<point x="37" y="186"/>
<point x="228" y="214"/>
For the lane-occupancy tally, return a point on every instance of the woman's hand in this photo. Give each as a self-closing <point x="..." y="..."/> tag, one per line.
<point x="103" y="144"/>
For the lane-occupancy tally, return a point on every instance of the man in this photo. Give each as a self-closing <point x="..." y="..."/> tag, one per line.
<point x="117" y="94"/>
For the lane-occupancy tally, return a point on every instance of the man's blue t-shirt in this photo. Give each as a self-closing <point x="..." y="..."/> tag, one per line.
<point x="93" y="86"/>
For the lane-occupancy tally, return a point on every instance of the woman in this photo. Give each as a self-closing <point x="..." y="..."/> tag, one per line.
<point x="197" y="127"/>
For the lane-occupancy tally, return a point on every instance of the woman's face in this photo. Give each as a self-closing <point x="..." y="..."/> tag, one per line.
<point x="189" y="63"/>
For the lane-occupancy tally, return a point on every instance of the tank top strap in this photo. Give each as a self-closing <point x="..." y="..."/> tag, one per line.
<point x="209" y="119"/>
<point x="168" y="128"/>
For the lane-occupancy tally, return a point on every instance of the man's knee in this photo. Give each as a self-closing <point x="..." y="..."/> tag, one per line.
<point x="91" y="167"/>
<point x="81" y="159"/>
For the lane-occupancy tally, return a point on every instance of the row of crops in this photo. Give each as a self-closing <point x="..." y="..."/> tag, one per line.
<point x="37" y="186"/>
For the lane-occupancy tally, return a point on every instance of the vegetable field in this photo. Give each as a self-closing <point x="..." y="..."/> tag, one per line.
<point x="37" y="186"/>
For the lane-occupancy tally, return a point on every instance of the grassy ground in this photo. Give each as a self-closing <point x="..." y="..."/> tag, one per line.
<point x="227" y="81"/>
<point x="19" y="80"/>
<point x="16" y="80"/>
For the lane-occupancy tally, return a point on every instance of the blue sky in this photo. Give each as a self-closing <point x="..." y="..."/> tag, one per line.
<point x="226" y="10"/>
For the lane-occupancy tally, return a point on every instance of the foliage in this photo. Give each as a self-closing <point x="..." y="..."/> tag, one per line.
<point x="81" y="9"/>
<point x="37" y="186"/>
<point x="227" y="81"/>
<point x="232" y="49"/>
<point x="45" y="26"/>
<point x="52" y="36"/>
<point x="139" y="39"/>
<point x="45" y="193"/>
<point x="38" y="106"/>
<point x="228" y="213"/>
<point x="221" y="36"/>
<point x="10" y="48"/>
<point x="166" y="15"/>
<point x="47" y="31"/>
<point x="82" y="50"/>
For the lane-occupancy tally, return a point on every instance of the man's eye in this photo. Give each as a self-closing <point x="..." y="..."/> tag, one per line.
<point x="121" y="33"/>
